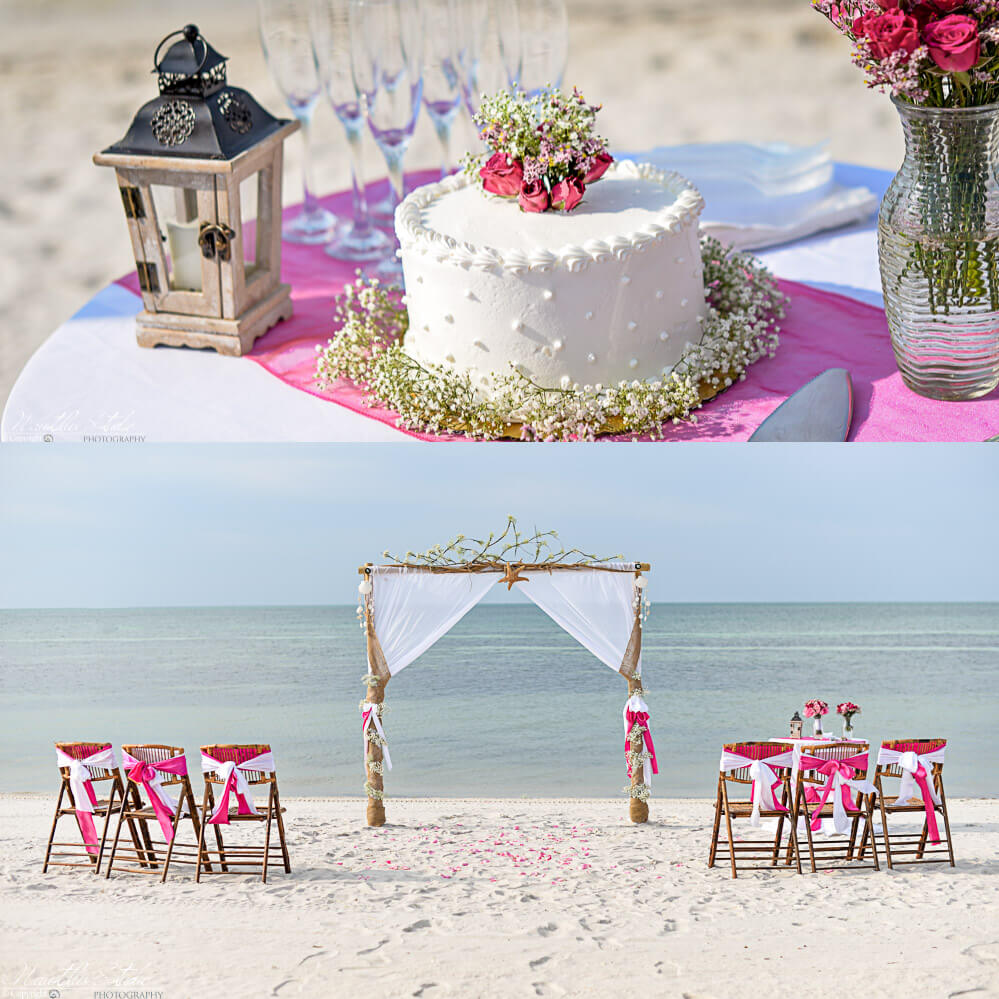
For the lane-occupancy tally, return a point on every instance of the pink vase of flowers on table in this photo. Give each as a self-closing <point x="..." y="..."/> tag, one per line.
<point x="816" y="709"/>
<point x="848" y="709"/>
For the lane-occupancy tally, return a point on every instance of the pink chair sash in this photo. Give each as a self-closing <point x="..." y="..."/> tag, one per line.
<point x="235" y="782"/>
<point x="636" y="712"/>
<point x="84" y="798"/>
<point x="839" y="774"/>
<point x="916" y="769"/>
<point x="148" y="775"/>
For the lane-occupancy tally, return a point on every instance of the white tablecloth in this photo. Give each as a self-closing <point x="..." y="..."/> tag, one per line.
<point x="91" y="382"/>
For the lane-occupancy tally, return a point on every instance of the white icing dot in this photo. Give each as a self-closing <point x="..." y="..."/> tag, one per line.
<point x="517" y="325"/>
<point x="589" y="315"/>
<point x="625" y="279"/>
<point x="556" y="345"/>
<point x="632" y="325"/>
<point x="660" y="295"/>
<point x="633" y="363"/>
<point x="547" y="294"/>
<point x="591" y="358"/>
<point x="664" y="336"/>
<point x="684" y="302"/>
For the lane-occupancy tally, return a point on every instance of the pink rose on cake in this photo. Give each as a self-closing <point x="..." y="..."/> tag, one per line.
<point x="953" y="42"/>
<point x="502" y="175"/>
<point x="568" y="193"/>
<point x="534" y="197"/>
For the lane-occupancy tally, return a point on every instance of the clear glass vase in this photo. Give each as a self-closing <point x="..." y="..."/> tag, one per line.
<point x="938" y="244"/>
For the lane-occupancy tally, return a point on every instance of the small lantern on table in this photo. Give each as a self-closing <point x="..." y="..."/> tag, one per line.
<point x="796" y="725"/>
<point x="206" y="281"/>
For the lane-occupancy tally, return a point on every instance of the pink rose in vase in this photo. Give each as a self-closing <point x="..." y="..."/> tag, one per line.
<point x="816" y="709"/>
<point x="502" y="175"/>
<point x="568" y="193"/>
<point x="534" y="197"/>
<point x="953" y="42"/>
<point x="888" y="33"/>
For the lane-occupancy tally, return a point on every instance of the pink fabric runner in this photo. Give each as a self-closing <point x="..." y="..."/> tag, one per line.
<point x="822" y="330"/>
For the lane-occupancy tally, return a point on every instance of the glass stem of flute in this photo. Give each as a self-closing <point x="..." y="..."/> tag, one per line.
<point x="443" y="128"/>
<point x="355" y="131"/>
<point x="310" y="203"/>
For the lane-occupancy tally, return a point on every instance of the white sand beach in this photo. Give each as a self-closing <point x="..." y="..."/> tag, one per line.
<point x="667" y="71"/>
<point x="498" y="898"/>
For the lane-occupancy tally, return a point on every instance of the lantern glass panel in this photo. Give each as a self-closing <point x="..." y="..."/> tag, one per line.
<point x="178" y="212"/>
<point x="249" y="191"/>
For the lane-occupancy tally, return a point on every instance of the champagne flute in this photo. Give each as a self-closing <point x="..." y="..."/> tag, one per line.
<point x="441" y="80"/>
<point x="360" y="240"/>
<point x="534" y="42"/>
<point x="386" y="38"/>
<point x="476" y="70"/>
<point x="286" y="40"/>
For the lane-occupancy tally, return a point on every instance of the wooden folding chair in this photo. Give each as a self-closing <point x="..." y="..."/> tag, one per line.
<point x="151" y="767"/>
<point x="102" y="769"/>
<point x="895" y="761"/>
<point x="771" y="761"/>
<point x="234" y="770"/>
<point x="815" y="798"/>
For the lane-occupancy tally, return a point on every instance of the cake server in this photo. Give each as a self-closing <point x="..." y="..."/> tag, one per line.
<point x="821" y="410"/>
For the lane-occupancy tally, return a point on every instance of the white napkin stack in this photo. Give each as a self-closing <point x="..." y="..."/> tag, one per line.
<point x="764" y="194"/>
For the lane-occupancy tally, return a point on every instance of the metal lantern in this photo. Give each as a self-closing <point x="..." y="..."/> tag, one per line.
<point x="796" y="724"/>
<point x="190" y="169"/>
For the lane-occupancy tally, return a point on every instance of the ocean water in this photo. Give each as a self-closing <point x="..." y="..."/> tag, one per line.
<point x="505" y="705"/>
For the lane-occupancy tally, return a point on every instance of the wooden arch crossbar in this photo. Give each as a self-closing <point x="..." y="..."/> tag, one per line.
<point x="509" y="573"/>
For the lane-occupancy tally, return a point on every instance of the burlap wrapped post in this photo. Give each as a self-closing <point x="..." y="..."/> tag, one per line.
<point x="638" y="810"/>
<point x="376" y="696"/>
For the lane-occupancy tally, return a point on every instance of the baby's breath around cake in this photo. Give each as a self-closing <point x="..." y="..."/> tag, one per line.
<point x="739" y="327"/>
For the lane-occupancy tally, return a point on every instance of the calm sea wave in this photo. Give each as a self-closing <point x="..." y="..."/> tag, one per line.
<point x="505" y="705"/>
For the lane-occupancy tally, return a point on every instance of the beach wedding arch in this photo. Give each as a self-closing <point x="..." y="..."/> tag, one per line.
<point x="406" y="605"/>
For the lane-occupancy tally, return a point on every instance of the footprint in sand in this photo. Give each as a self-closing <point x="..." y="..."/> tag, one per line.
<point x="546" y="931"/>
<point x="420" y="924"/>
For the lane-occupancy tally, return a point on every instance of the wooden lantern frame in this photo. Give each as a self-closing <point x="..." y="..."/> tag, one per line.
<point x="238" y="302"/>
<point x="509" y="573"/>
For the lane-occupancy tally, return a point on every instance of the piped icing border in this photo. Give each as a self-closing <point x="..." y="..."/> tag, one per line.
<point x="415" y="235"/>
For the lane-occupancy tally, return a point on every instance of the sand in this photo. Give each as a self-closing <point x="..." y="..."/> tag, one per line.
<point x="495" y="898"/>
<point x="667" y="71"/>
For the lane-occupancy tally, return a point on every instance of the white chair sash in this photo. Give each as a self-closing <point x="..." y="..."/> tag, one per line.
<point x="80" y="776"/>
<point x="369" y="717"/>
<point x="764" y="777"/>
<point x="234" y="780"/>
<point x="908" y="791"/>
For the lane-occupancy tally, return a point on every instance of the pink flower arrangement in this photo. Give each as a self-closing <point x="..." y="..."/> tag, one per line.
<point x="816" y="708"/>
<point x="937" y="53"/>
<point x="848" y="709"/>
<point x="544" y="149"/>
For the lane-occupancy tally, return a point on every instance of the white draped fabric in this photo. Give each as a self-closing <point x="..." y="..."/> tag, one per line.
<point x="413" y="609"/>
<point x="597" y="608"/>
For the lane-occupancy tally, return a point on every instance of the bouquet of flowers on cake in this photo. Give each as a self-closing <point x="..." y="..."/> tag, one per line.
<point x="544" y="149"/>
<point x="936" y="53"/>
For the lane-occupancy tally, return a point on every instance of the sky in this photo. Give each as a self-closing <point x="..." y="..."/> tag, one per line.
<point x="218" y="525"/>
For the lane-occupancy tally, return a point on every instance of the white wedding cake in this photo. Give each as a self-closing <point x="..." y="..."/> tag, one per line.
<point x="611" y="291"/>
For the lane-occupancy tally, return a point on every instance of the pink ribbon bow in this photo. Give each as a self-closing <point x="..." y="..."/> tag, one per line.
<point x="637" y="713"/>
<point x="82" y="790"/>
<point x="814" y="796"/>
<point x="920" y="776"/>
<point x="147" y="774"/>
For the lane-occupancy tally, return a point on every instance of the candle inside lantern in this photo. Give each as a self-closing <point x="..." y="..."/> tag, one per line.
<point x="185" y="255"/>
